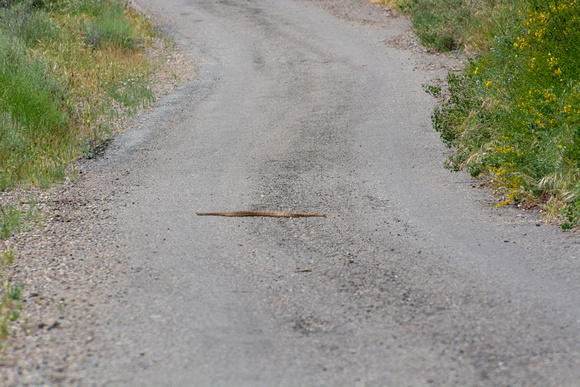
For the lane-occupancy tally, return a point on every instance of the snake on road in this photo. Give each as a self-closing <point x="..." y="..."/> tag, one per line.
<point x="275" y="214"/>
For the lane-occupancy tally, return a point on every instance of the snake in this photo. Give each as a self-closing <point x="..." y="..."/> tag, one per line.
<point x="275" y="214"/>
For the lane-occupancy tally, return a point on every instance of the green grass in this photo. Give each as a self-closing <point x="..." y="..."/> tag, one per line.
<point x="10" y="296"/>
<point x="14" y="218"/>
<point x="513" y="114"/>
<point x="10" y="307"/>
<point x="10" y="221"/>
<point x="109" y="27"/>
<point x="66" y="69"/>
<point x="449" y="25"/>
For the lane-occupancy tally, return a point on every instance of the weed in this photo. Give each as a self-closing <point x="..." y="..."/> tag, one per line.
<point x="14" y="292"/>
<point x="4" y="325"/>
<point x="10" y="221"/>
<point x="10" y="307"/>
<point x="8" y="256"/>
<point x="10" y="296"/>
<point x="571" y="211"/>
<point x="433" y="90"/>
<point x="571" y="216"/>
<point x="89" y="148"/>
<point x="14" y="218"/>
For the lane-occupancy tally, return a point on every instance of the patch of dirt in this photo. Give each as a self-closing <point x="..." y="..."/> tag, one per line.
<point x="176" y="67"/>
<point x="67" y="260"/>
<point x="407" y="41"/>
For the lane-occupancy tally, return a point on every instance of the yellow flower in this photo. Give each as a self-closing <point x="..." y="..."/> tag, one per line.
<point x="488" y="84"/>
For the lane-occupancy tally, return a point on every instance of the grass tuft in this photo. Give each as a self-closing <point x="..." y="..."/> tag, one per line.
<point x="109" y="27"/>
<point x="10" y="296"/>
<point x="10" y="221"/>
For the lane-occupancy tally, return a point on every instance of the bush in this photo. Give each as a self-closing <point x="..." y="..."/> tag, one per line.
<point x="514" y="112"/>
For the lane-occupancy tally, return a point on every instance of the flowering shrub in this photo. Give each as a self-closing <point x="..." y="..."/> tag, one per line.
<point x="514" y="113"/>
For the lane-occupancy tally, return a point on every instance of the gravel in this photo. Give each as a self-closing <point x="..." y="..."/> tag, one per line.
<point x="68" y="258"/>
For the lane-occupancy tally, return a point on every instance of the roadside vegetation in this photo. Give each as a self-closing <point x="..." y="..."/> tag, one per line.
<point x="512" y="115"/>
<point x="69" y="71"/>
<point x="66" y="69"/>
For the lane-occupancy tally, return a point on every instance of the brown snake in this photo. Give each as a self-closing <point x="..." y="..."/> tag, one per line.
<point x="275" y="214"/>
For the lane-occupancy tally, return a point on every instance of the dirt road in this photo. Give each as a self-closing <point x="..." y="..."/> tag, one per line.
<point x="413" y="278"/>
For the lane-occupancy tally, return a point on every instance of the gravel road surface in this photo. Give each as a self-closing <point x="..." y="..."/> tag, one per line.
<point x="413" y="278"/>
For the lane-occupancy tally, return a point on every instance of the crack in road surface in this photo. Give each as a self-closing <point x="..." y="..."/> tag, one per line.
<point x="300" y="106"/>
